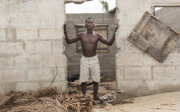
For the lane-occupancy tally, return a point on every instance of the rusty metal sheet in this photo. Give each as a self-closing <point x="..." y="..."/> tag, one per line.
<point x="154" y="37"/>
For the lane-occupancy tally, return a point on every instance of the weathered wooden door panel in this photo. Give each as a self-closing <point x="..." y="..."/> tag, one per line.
<point x="153" y="37"/>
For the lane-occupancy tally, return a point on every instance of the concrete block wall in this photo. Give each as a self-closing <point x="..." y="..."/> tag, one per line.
<point x="137" y="73"/>
<point x="31" y="44"/>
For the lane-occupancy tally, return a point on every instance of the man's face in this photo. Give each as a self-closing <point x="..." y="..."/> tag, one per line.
<point x="89" y="24"/>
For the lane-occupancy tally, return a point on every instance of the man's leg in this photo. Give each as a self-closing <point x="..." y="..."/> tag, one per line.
<point x="95" y="88"/>
<point x="84" y="87"/>
<point x="84" y="74"/>
<point x="95" y="74"/>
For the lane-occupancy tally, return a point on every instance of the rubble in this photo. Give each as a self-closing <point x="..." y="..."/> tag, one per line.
<point x="50" y="99"/>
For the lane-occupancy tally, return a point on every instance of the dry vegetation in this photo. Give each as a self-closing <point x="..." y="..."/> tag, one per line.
<point x="45" y="100"/>
<point x="50" y="99"/>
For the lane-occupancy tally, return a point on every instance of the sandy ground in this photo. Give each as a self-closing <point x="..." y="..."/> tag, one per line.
<point x="166" y="102"/>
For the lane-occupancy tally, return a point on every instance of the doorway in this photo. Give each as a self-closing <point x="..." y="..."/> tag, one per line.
<point x="105" y="24"/>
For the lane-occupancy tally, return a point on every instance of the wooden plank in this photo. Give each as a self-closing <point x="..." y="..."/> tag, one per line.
<point x="154" y="37"/>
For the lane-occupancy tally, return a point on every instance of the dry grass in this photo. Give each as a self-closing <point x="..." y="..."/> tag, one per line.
<point x="47" y="99"/>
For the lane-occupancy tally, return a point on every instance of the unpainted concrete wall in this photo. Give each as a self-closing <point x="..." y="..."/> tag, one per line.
<point x="138" y="73"/>
<point x="31" y="44"/>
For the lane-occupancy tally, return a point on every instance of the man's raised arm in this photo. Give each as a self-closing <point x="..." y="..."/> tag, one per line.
<point x="68" y="40"/>
<point x="108" y="42"/>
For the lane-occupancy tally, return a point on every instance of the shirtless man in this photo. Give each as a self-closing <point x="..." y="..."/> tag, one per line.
<point x="89" y="63"/>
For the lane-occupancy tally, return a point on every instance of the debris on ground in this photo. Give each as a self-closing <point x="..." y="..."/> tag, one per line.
<point x="44" y="100"/>
<point x="50" y="99"/>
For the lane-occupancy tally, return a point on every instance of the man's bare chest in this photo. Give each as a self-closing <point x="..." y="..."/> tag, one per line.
<point x="89" y="39"/>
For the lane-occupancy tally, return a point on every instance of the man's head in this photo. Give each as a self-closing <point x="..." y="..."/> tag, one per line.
<point x="89" y="23"/>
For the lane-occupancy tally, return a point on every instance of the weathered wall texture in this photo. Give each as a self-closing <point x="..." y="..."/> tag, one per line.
<point x="138" y="73"/>
<point x="31" y="44"/>
<point x="170" y="16"/>
<point x="107" y="59"/>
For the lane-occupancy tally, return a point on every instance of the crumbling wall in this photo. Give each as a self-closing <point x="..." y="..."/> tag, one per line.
<point x="136" y="72"/>
<point x="31" y="44"/>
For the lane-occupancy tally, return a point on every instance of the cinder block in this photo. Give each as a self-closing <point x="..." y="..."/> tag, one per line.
<point x="11" y="48"/>
<point x="6" y="88"/>
<point x="16" y="19"/>
<point x="75" y="17"/>
<point x="164" y="72"/>
<point x="2" y="90"/>
<point x="120" y="44"/>
<point x="59" y="74"/>
<point x="24" y="20"/>
<point x="135" y="6"/>
<point x="51" y="14"/>
<point x="162" y="85"/>
<point x="124" y="31"/>
<point x="3" y="20"/>
<point x="51" y="20"/>
<point x="2" y="34"/>
<point x="38" y="47"/>
<point x="119" y="72"/>
<point x="50" y="7"/>
<point x="6" y="62"/>
<point x="177" y="74"/>
<point x="58" y="46"/>
<point x="109" y="17"/>
<point x="137" y="73"/>
<point x="50" y="33"/>
<point x="126" y="59"/>
<point x="12" y="76"/>
<point x="172" y="59"/>
<point x="126" y="19"/>
<point x="12" y="6"/>
<point x="27" y="34"/>
<point x="130" y="85"/>
<point x="59" y="60"/>
<point x="131" y="48"/>
<point x="26" y="86"/>
<point x="11" y="33"/>
<point x="27" y="61"/>
<point x="148" y="60"/>
<point x="29" y="6"/>
<point x="40" y="74"/>
<point x="2" y="7"/>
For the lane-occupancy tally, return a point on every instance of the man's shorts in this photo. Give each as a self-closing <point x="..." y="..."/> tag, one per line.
<point x="89" y="66"/>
